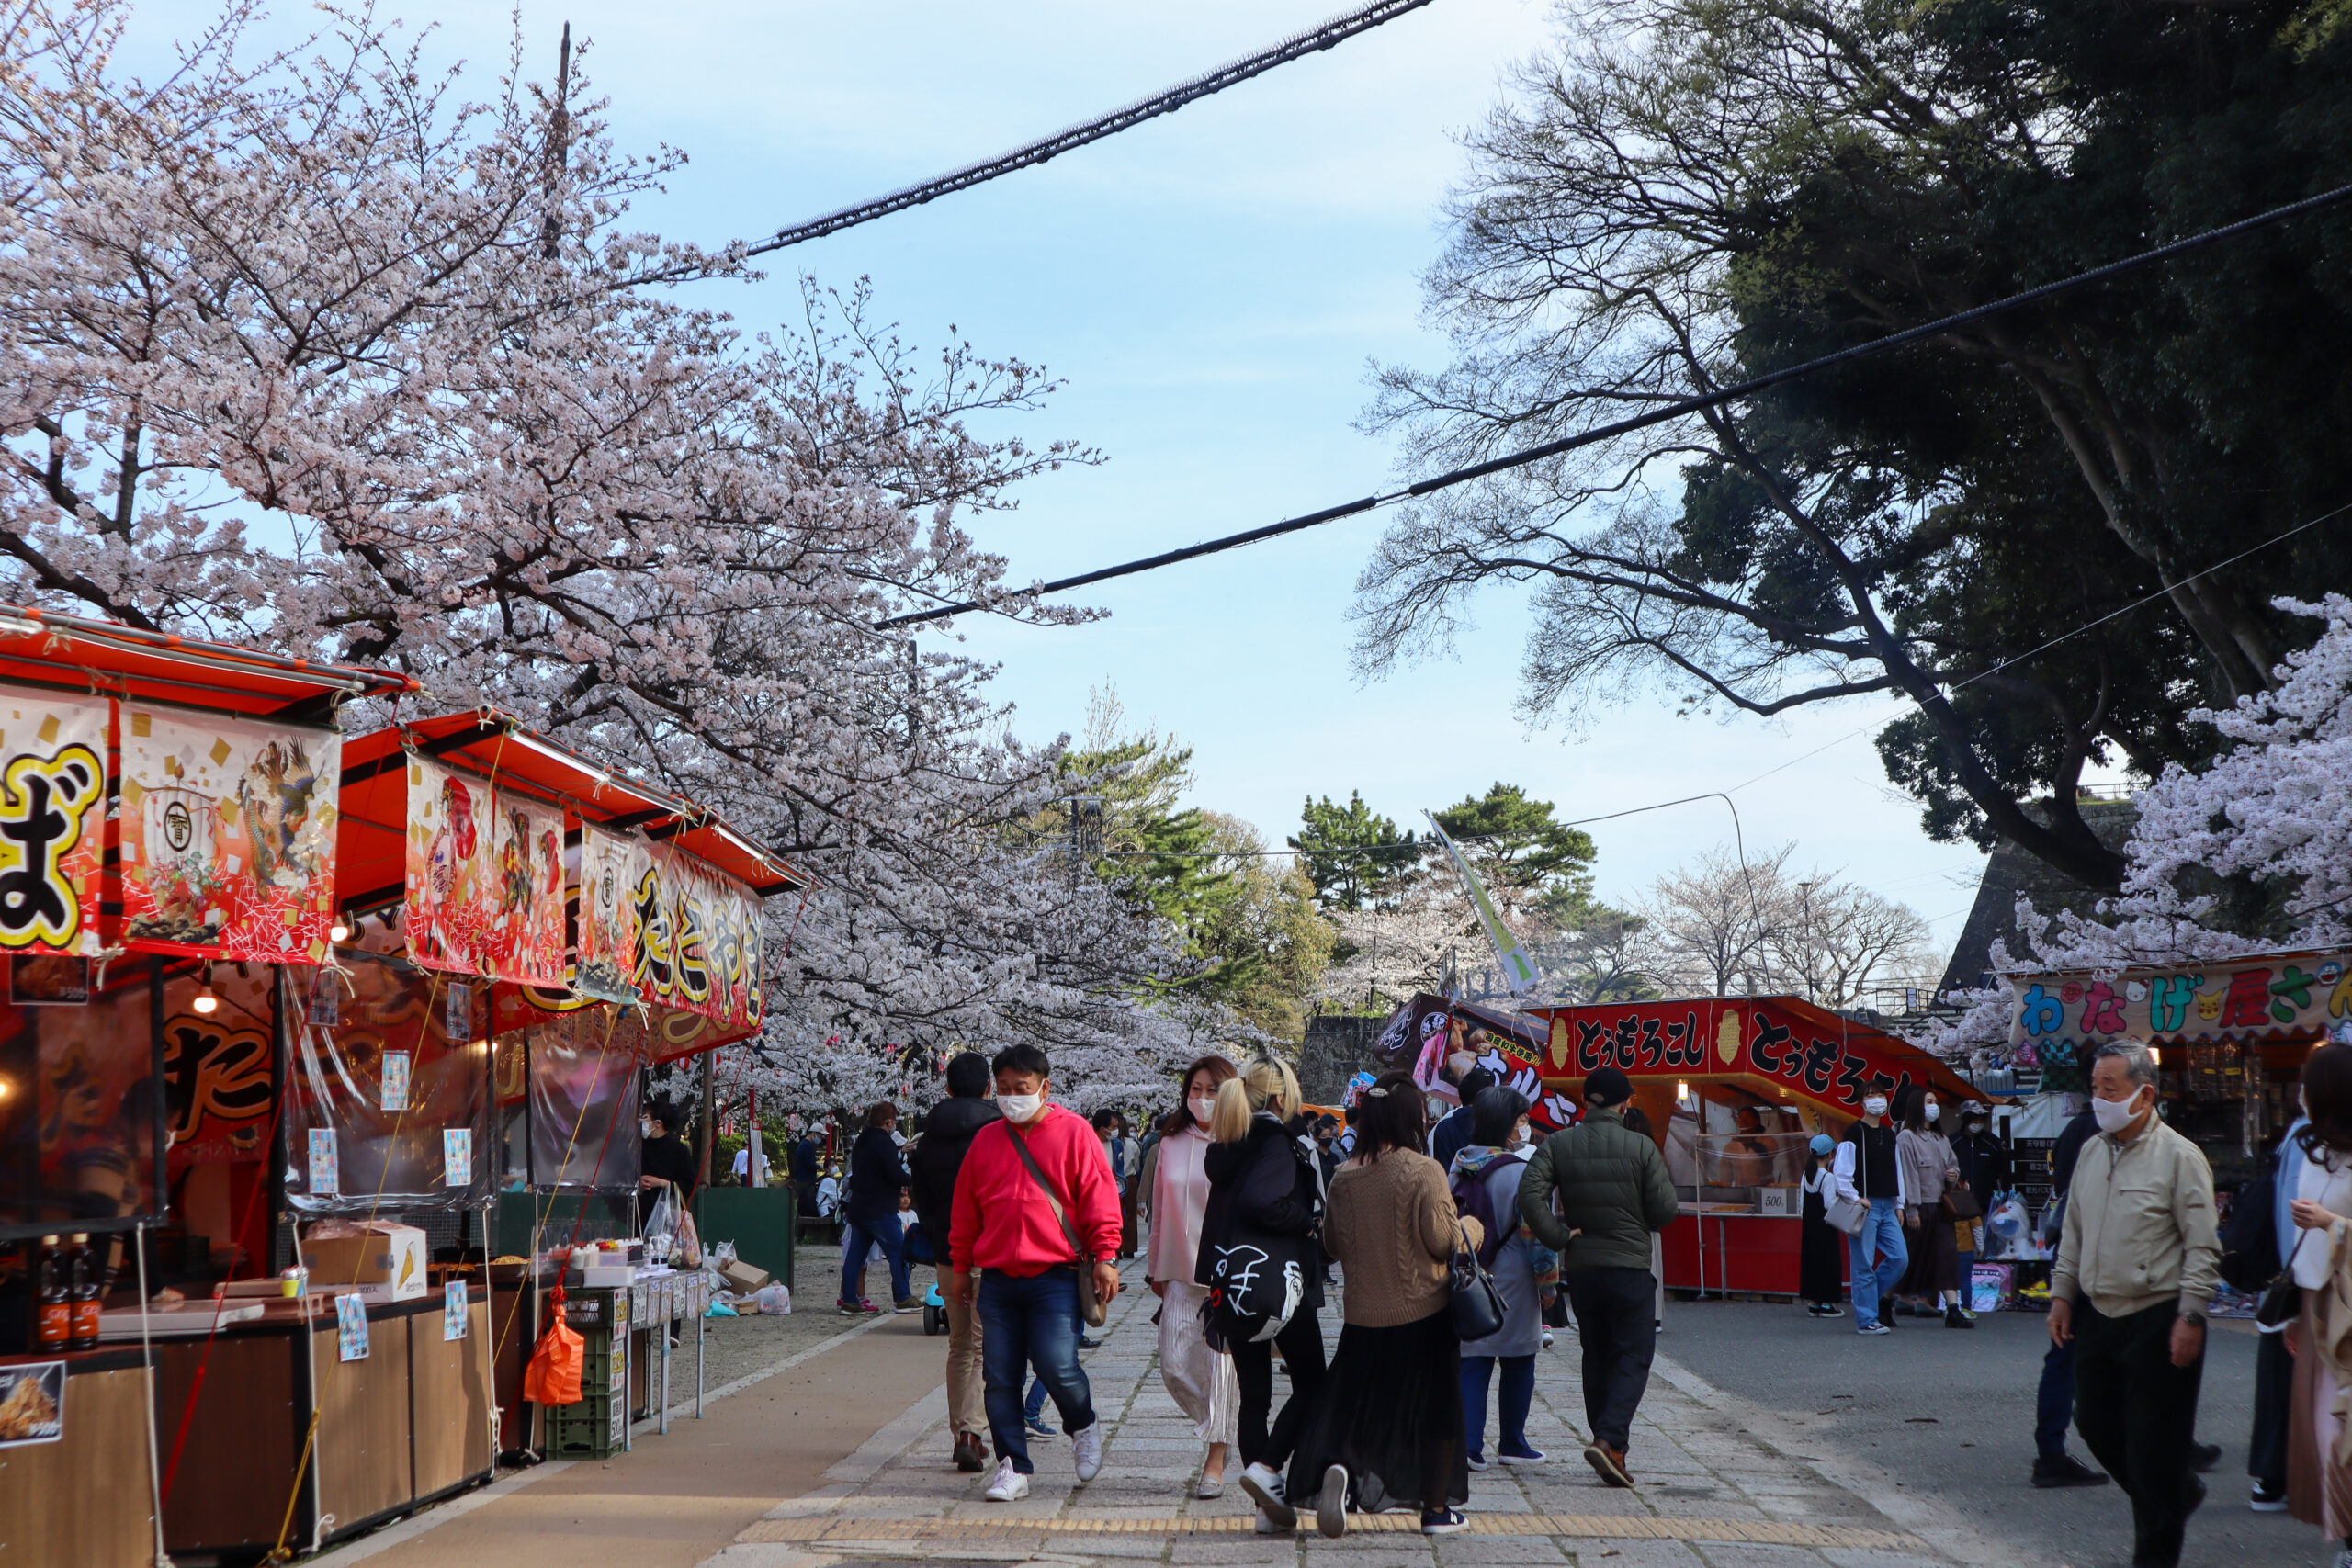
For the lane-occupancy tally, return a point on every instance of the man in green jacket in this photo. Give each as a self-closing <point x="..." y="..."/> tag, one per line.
<point x="1613" y="1192"/>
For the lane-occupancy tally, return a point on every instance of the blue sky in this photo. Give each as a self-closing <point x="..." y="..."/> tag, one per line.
<point x="1212" y="287"/>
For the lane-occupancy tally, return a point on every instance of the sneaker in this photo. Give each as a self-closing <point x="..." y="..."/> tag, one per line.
<point x="1478" y="1461"/>
<point x="1008" y="1486"/>
<point x="1266" y="1489"/>
<point x="2203" y="1457"/>
<point x="1445" y="1521"/>
<point x="2066" y="1470"/>
<point x="1547" y="1339"/>
<point x="866" y="1306"/>
<point x="1086" y="1344"/>
<point x="971" y="1453"/>
<point x="906" y="1303"/>
<point x="851" y="1309"/>
<point x="1878" y="1327"/>
<point x="1331" y="1503"/>
<point x="2269" y="1497"/>
<point x="1037" y="1428"/>
<point x="1086" y="1451"/>
<point x="1608" y="1463"/>
<point x="1533" y="1456"/>
<point x="1831" y="1309"/>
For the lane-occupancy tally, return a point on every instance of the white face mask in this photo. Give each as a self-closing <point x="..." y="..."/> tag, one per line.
<point x="1519" y="1134"/>
<point x="2114" y="1115"/>
<point x="1933" y="1110"/>
<point x="1203" y="1107"/>
<point x="1874" y="1106"/>
<point x="645" y="1128"/>
<point x="1020" y="1108"/>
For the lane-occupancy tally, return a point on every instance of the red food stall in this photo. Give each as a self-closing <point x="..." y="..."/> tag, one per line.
<point x="1732" y="1089"/>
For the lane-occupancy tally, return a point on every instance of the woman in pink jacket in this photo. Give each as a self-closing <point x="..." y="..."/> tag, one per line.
<point x="1199" y="1380"/>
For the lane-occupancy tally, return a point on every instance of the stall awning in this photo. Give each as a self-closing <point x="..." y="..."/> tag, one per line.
<point x="497" y="746"/>
<point x="62" y="652"/>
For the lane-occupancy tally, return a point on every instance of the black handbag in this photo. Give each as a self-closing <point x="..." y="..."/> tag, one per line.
<point x="1477" y="1303"/>
<point x="2282" y="1299"/>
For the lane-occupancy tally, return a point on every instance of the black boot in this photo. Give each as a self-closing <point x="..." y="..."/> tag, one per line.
<point x="1955" y="1318"/>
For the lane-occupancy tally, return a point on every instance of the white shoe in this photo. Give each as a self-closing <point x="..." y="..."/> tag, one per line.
<point x="1331" y="1503"/>
<point x="1547" y="1339"/>
<point x="1266" y="1489"/>
<point x="1008" y="1486"/>
<point x="1269" y="1525"/>
<point x="1210" y="1486"/>
<point x="1086" y="1449"/>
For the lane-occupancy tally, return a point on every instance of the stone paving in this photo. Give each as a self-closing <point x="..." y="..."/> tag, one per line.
<point x="1715" y="1487"/>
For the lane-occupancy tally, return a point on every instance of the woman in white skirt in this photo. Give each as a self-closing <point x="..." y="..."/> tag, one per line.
<point x="1199" y="1378"/>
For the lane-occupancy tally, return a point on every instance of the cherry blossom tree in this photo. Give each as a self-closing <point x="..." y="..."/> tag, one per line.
<point x="303" y="351"/>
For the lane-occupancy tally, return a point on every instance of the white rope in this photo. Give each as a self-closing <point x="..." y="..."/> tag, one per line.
<point x="147" y="1378"/>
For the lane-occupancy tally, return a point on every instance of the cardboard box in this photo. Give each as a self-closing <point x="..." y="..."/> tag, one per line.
<point x="743" y="1276"/>
<point x="389" y="1255"/>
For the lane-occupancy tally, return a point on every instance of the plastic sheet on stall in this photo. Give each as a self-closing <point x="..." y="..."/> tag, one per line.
<point x="583" y="1074"/>
<point x="389" y="1106"/>
<point x="79" y="1122"/>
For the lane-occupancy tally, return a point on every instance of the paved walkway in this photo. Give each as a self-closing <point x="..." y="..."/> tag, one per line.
<point x="1718" y="1485"/>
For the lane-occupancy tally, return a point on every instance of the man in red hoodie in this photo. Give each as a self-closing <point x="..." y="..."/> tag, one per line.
<point x="1008" y="1241"/>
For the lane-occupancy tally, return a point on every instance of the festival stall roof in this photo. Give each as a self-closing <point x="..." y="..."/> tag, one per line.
<point x="70" y="653"/>
<point x="496" y="746"/>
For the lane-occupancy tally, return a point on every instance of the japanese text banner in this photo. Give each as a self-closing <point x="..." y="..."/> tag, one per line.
<point x="52" y="815"/>
<point x="2231" y="1000"/>
<point x="228" y="835"/>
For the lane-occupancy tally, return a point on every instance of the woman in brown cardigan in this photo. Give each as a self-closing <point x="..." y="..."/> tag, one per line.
<point x="1389" y="1427"/>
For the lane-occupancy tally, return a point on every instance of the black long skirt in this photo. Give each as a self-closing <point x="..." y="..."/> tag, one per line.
<point x="1391" y="1412"/>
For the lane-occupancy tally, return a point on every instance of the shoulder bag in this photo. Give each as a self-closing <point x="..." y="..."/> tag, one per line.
<point x="2282" y="1299"/>
<point x="1477" y="1303"/>
<point x="1091" y="1307"/>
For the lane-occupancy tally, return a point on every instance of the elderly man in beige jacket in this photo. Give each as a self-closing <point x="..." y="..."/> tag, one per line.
<point x="2138" y="1258"/>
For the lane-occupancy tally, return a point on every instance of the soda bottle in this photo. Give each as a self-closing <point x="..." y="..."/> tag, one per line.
<point x="55" y="1307"/>
<point x="84" y="1293"/>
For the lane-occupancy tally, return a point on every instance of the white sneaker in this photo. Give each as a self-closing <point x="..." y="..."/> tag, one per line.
<point x="1086" y="1449"/>
<point x="1331" y="1503"/>
<point x="1266" y="1489"/>
<point x="1008" y="1486"/>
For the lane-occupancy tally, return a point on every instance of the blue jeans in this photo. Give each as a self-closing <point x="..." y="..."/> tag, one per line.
<point x="859" y="1243"/>
<point x="1023" y="1323"/>
<point x="1882" y="1230"/>
<point x="1036" y="1403"/>
<point x="2053" y="1402"/>
<point x="1519" y="1394"/>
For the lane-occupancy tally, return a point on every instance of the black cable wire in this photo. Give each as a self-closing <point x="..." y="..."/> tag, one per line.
<point x="1678" y="409"/>
<point x="1323" y="36"/>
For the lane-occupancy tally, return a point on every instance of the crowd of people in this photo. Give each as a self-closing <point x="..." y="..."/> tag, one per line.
<point x="1241" y="1202"/>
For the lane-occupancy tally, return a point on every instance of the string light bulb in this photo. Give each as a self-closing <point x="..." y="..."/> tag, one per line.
<point x="205" y="1000"/>
<point x="338" y="932"/>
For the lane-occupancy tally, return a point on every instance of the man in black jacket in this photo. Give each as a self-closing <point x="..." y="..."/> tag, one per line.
<point x="876" y="1177"/>
<point x="947" y="1134"/>
<point x="1452" y="1134"/>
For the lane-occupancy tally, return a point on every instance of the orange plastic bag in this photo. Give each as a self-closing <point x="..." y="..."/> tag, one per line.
<point x="553" y="1376"/>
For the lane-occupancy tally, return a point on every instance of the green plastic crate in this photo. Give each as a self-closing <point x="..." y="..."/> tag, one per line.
<point x="596" y="1428"/>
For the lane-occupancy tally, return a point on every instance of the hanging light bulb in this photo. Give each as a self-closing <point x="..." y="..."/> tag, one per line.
<point x="205" y="1000"/>
<point x="338" y="932"/>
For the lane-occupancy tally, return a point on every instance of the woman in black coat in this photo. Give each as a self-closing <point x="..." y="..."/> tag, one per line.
<point x="876" y="1175"/>
<point x="1262" y="1176"/>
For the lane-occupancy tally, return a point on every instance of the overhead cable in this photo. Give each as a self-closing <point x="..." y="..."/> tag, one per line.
<point x="1677" y="409"/>
<point x="1338" y="29"/>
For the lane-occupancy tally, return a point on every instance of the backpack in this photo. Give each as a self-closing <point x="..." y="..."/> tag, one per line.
<point x="2250" y="1239"/>
<point x="1256" y="1277"/>
<point x="1473" y="1202"/>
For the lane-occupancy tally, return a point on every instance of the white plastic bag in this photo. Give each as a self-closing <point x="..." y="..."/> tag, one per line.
<point x="659" y="1228"/>
<point x="773" y="1300"/>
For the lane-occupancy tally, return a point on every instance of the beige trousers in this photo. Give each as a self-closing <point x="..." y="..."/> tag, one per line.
<point x="967" y="1398"/>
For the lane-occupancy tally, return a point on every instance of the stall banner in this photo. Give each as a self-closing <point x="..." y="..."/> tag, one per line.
<point x="228" y="836"/>
<point x="217" y="1086"/>
<point x="2273" y="998"/>
<point x="485" y="891"/>
<point x="1519" y="969"/>
<point x="32" y="1403"/>
<point x="52" y="816"/>
<point x="1812" y="1053"/>
<point x="700" y="940"/>
<point x="612" y="865"/>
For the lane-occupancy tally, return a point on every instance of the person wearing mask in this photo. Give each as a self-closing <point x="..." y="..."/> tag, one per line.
<point x="876" y="1175"/>
<point x="1447" y="1138"/>
<point x="1525" y="1271"/>
<point x="1868" y="1172"/>
<point x="1118" y="1148"/>
<point x="666" y="1164"/>
<point x="1147" y="1154"/>
<point x="2319" y="1486"/>
<point x="1387" y="1430"/>
<point x="1615" y="1196"/>
<point x="948" y="1129"/>
<point x="2138" y="1260"/>
<point x="1984" y="1172"/>
<point x="1262" y="1176"/>
<point x="1821" y="1255"/>
<point x="1925" y="1153"/>
<point x="1034" y="1181"/>
<point x="1199" y="1378"/>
